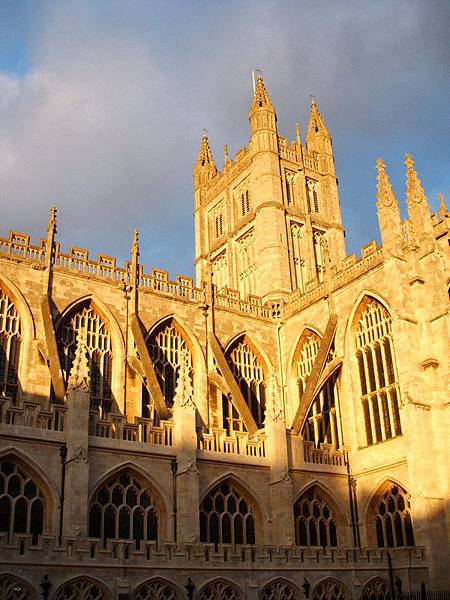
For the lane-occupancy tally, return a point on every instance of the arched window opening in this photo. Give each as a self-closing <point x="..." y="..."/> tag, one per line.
<point x="376" y="365"/>
<point x="10" y="339"/>
<point x="21" y="502"/>
<point x="289" y="187"/>
<point x="245" y="202"/>
<point x="315" y="523"/>
<point x="312" y="195"/>
<point x="393" y="523"/>
<point x="319" y="242"/>
<point x="227" y="517"/>
<point x="329" y="589"/>
<point x="124" y="508"/>
<point x="248" y="371"/>
<point x="298" y="253"/>
<point x="157" y="589"/>
<point x="81" y="589"/>
<point x="321" y="424"/>
<point x="13" y="588"/>
<point x="219" y="590"/>
<point x="86" y="320"/>
<point x="167" y="348"/>
<point x="280" y="589"/>
<point x="376" y="589"/>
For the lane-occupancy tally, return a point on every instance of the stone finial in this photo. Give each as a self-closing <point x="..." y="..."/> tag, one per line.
<point x="205" y="157"/>
<point x="225" y="154"/>
<point x="79" y="373"/>
<point x="184" y="391"/>
<point x="385" y="195"/>
<point x="135" y="243"/>
<point x="414" y="189"/>
<point x="51" y="227"/>
<point x="297" y="133"/>
<point x="261" y="97"/>
<point x="443" y="210"/>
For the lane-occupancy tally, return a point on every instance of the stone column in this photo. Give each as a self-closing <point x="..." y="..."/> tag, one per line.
<point x="187" y="478"/>
<point x="77" y="431"/>
<point x="281" y="498"/>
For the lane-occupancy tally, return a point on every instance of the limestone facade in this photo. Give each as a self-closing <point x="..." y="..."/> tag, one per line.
<point x="285" y="419"/>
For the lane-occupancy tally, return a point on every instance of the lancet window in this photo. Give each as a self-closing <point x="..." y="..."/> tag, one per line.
<point x="330" y="589"/>
<point x="10" y="339"/>
<point x="219" y="590"/>
<point x="167" y="348"/>
<point x="319" y="242"/>
<point x="220" y="271"/>
<point x="86" y="323"/>
<point x="313" y="199"/>
<point x="248" y="371"/>
<point x="315" y="523"/>
<point x="280" y="589"/>
<point x="157" y="589"/>
<point x="21" y="502"/>
<point x="13" y="588"/>
<point x="124" y="508"/>
<point x="245" y="202"/>
<point x="376" y="364"/>
<point x="226" y="517"/>
<point x="289" y="187"/>
<point x="81" y="589"/>
<point x="246" y="264"/>
<point x="299" y="261"/>
<point x="321" y="425"/>
<point x="393" y="523"/>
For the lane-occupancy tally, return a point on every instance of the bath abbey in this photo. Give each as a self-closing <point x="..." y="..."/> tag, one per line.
<point x="276" y="430"/>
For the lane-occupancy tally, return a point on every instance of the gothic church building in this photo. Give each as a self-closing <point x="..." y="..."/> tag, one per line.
<point x="277" y="431"/>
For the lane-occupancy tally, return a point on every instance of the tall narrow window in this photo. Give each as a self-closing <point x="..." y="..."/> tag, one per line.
<point x="312" y="195"/>
<point x="99" y="353"/>
<point x="227" y="517"/>
<point x="315" y="523"/>
<point x="167" y="347"/>
<point x="393" y="523"/>
<point x="219" y="267"/>
<point x="248" y="372"/>
<point x="319" y="241"/>
<point x="376" y="365"/>
<point x="10" y="339"/>
<point x="124" y="508"/>
<point x="245" y="201"/>
<point x="299" y="262"/>
<point x="218" y="225"/>
<point x="246" y="263"/>
<point x="21" y="502"/>
<point x="289" y="187"/>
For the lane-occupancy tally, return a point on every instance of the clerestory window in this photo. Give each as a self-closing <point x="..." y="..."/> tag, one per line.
<point x="10" y="340"/>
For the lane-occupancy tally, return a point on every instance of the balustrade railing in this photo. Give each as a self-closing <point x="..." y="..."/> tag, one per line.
<point x="142" y="430"/>
<point x="31" y="414"/>
<point x="326" y="454"/>
<point x="240" y="443"/>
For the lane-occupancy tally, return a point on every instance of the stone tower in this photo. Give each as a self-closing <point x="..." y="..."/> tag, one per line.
<point x="270" y="222"/>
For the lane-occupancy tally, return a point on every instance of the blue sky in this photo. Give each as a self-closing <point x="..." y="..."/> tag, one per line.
<point x="102" y="105"/>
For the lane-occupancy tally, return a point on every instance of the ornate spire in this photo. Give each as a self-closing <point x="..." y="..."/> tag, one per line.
<point x="51" y="227"/>
<point x="205" y="158"/>
<point x="418" y="209"/>
<point x="261" y="98"/>
<point x="316" y="125"/>
<point x="414" y="189"/>
<point x="385" y="195"/>
<point x="443" y="210"/>
<point x="79" y="373"/>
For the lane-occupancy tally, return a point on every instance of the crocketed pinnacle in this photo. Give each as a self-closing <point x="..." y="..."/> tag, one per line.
<point x="135" y="242"/>
<point x="385" y="194"/>
<point x="442" y="206"/>
<point x="316" y="123"/>
<point x="205" y="157"/>
<point x="79" y="373"/>
<point x="51" y="227"/>
<point x="261" y="98"/>
<point x="414" y="190"/>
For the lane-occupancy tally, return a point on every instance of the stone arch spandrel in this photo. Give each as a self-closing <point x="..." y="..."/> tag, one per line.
<point x="198" y="359"/>
<point x="49" y="489"/>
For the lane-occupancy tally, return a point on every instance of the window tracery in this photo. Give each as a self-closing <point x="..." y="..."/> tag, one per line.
<point x="319" y="242"/>
<point x="314" y="519"/>
<point x="21" y="502"/>
<point x="249" y="374"/>
<point x="10" y="340"/>
<point x="376" y="364"/>
<point x="124" y="508"/>
<point x="157" y="589"/>
<point x="98" y="350"/>
<point x="289" y="187"/>
<point x="81" y="589"/>
<point x="299" y="261"/>
<point x="245" y="202"/>
<point x="313" y="198"/>
<point x="376" y="589"/>
<point x="246" y="263"/>
<point x="166" y="347"/>
<point x="13" y="588"/>
<point x="330" y="589"/>
<point x="219" y="590"/>
<point x="226" y="517"/>
<point x="393" y="523"/>
<point x="280" y="589"/>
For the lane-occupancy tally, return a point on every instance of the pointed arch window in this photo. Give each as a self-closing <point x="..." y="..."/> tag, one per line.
<point x="10" y="341"/>
<point x="167" y="347"/>
<point x="219" y="590"/>
<point x="81" y="589"/>
<point x="280" y="589"/>
<point x="13" y="588"/>
<point x="227" y="517"/>
<point x="124" y="508"/>
<point x="99" y="352"/>
<point x="377" y="589"/>
<point x="321" y="424"/>
<point x="157" y="589"/>
<point x="299" y="261"/>
<point x="377" y="373"/>
<point x="313" y="198"/>
<point x="330" y="589"/>
<point x="289" y="187"/>
<point x="245" y="202"/>
<point x="319" y="242"/>
<point x="21" y="502"/>
<point x="248" y="371"/>
<point x="393" y="523"/>
<point x="315" y="523"/>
